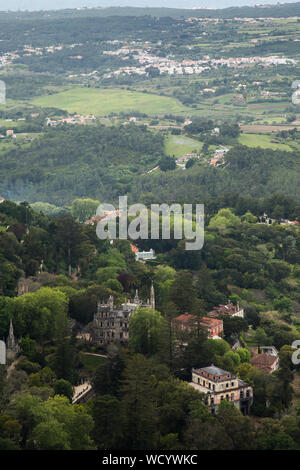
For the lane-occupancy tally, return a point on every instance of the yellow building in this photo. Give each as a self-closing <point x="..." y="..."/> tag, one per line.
<point x="218" y="384"/>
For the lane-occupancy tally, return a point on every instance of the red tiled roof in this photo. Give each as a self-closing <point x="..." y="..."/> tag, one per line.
<point x="205" y="321"/>
<point x="211" y="322"/>
<point x="134" y="248"/>
<point x="263" y="362"/>
<point x="185" y="318"/>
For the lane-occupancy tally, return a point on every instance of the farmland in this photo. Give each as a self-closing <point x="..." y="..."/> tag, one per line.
<point x="263" y="141"/>
<point x="103" y="102"/>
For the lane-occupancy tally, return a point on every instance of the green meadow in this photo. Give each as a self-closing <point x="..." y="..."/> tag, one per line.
<point x="179" y="145"/>
<point x="102" y="102"/>
<point x="263" y="141"/>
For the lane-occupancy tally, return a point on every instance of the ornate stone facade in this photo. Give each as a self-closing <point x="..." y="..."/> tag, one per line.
<point x="111" y="323"/>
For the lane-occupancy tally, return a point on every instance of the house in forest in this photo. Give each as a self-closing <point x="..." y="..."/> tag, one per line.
<point x="218" y="384"/>
<point x="111" y="322"/>
<point x="187" y="323"/>
<point x="265" y="358"/>
<point x="229" y="310"/>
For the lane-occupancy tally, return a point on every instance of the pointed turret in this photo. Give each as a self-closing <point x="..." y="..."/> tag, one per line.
<point x="111" y="301"/>
<point x="152" y="297"/>
<point x="11" y="342"/>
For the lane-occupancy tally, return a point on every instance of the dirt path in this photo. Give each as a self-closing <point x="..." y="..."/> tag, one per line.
<point x="94" y="354"/>
<point x="11" y="367"/>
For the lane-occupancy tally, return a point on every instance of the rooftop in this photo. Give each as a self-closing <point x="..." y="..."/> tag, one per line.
<point x="264" y="362"/>
<point x="216" y="371"/>
<point x="204" y="321"/>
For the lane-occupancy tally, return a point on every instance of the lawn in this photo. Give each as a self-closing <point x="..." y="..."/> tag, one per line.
<point x="91" y="362"/>
<point x="263" y="141"/>
<point x="179" y="145"/>
<point x="102" y="102"/>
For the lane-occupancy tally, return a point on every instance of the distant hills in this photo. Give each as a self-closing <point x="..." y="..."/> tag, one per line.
<point x="70" y="8"/>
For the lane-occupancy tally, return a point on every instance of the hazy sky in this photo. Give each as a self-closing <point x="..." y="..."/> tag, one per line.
<point x="58" y="4"/>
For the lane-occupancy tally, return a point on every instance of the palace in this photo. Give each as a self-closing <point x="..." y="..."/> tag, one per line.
<point x="218" y="384"/>
<point x="111" y="323"/>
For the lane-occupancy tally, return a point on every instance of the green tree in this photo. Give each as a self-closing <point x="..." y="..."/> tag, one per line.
<point x="139" y="405"/>
<point x="109" y="422"/>
<point x="36" y="312"/>
<point x="64" y="358"/>
<point x="145" y="326"/>
<point x="63" y="387"/>
<point x="83" y="209"/>
<point x="182" y="292"/>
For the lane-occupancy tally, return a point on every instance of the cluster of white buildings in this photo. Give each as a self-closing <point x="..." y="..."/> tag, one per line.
<point x="8" y="58"/>
<point x="146" y="59"/>
<point x="75" y="119"/>
<point x="29" y="50"/>
<point x="170" y="66"/>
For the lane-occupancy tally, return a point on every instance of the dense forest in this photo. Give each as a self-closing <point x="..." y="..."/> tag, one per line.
<point x="97" y="161"/>
<point x="174" y="106"/>
<point x="102" y="162"/>
<point x="252" y="172"/>
<point x="254" y="264"/>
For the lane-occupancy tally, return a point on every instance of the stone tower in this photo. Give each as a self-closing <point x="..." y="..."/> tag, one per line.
<point x="152" y="297"/>
<point x="11" y="343"/>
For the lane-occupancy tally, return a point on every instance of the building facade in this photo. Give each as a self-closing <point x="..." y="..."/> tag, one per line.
<point x="111" y="322"/>
<point x="218" y="384"/>
<point x="186" y="323"/>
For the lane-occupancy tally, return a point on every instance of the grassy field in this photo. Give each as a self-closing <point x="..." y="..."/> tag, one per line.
<point x="179" y="145"/>
<point x="263" y="141"/>
<point x="102" y="102"/>
<point x="90" y="362"/>
<point x="4" y="124"/>
<point x="271" y="120"/>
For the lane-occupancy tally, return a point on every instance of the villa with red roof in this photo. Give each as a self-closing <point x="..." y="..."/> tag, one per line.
<point x="187" y="323"/>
